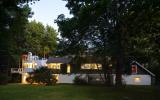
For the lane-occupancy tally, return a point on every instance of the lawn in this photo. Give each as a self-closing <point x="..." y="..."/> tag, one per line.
<point x="76" y="92"/>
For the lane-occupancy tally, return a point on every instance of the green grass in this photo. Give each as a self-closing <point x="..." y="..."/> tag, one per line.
<point x="76" y="92"/>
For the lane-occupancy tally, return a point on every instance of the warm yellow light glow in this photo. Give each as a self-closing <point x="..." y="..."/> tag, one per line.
<point x="24" y="77"/>
<point x="35" y="64"/>
<point x="137" y="79"/>
<point x="54" y="65"/>
<point x="68" y="68"/>
<point x="56" y="75"/>
<point x="97" y="79"/>
<point x="91" y="66"/>
<point x="27" y="65"/>
<point x="110" y="65"/>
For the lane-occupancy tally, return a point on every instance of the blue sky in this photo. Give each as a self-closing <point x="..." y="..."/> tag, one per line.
<point x="46" y="11"/>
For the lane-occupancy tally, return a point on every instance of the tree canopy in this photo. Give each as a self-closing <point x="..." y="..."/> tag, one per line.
<point x="13" y="18"/>
<point x="123" y="29"/>
<point x="39" y="39"/>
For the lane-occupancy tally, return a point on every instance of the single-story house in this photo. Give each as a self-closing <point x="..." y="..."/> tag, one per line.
<point x="93" y="68"/>
<point x="89" y="68"/>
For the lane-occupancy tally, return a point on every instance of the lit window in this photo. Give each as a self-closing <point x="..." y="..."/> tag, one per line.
<point x="91" y="66"/>
<point x="54" y="66"/>
<point x="56" y="76"/>
<point x="27" y="65"/>
<point x="134" y="69"/>
<point x="68" y="68"/>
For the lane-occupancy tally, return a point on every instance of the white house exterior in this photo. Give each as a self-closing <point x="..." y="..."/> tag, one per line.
<point x="29" y="63"/>
<point x="137" y="79"/>
<point x="139" y="75"/>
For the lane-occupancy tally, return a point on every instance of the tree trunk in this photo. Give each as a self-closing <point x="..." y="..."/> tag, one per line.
<point x="107" y="73"/>
<point x="119" y="71"/>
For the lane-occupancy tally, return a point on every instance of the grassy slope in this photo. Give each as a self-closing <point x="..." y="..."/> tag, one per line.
<point x="73" y="92"/>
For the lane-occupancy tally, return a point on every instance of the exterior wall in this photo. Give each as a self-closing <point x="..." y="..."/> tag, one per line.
<point x="137" y="79"/>
<point x="127" y="79"/>
<point x="27" y="70"/>
<point x="66" y="78"/>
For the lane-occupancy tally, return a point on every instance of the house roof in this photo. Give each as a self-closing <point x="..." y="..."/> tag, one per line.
<point x="63" y="60"/>
<point x="139" y="65"/>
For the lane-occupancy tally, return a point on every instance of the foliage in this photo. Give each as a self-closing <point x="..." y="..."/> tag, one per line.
<point x="123" y="29"/>
<point x="13" y="18"/>
<point x="79" y="81"/>
<point x="3" y="78"/>
<point x="42" y="75"/>
<point x="39" y="39"/>
<point x="15" y="78"/>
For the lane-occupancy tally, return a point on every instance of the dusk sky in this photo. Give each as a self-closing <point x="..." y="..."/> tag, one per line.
<point x="46" y="11"/>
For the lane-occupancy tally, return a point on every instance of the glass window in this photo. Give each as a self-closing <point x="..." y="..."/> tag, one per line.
<point x="54" y="66"/>
<point x="91" y="66"/>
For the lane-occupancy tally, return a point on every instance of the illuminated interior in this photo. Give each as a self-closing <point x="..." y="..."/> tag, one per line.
<point x="54" y="65"/>
<point x="68" y="68"/>
<point x="24" y="77"/>
<point x="134" y="69"/>
<point x="137" y="79"/>
<point x="29" y="65"/>
<point x="91" y="66"/>
<point x="56" y="75"/>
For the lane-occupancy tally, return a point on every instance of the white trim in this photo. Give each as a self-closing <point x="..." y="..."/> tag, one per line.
<point x="144" y="68"/>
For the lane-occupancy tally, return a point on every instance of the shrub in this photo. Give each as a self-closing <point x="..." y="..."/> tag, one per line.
<point x="30" y="79"/>
<point x="3" y="79"/>
<point x="43" y="76"/>
<point x="15" y="78"/>
<point x="79" y="81"/>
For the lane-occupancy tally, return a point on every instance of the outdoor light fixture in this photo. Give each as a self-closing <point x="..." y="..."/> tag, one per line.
<point x="137" y="79"/>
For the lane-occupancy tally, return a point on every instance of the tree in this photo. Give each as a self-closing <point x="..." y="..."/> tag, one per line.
<point x="12" y="13"/>
<point x="39" y="39"/>
<point x="90" y="16"/>
<point x="112" y="27"/>
<point x="143" y="18"/>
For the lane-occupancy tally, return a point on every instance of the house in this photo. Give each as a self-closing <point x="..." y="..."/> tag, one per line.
<point x="67" y="68"/>
<point x="139" y="75"/>
<point x="61" y="67"/>
<point x="29" y="63"/>
<point x="91" y="70"/>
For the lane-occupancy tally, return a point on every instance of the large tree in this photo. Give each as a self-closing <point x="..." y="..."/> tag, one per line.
<point x="13" y="17"/>
<point x="98" y="21"/>
<point x="112" y="27"/>
<point x="39" y="39"/>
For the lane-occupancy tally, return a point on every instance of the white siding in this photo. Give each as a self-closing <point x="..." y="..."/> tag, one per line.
<point x="137" y="79"/>
<point x="66" y="78"/>
<point x="128" y="79"/>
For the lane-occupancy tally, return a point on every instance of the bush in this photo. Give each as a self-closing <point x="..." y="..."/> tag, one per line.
<point x="79" y="81"/>
<point x="30" y="79"/>
<point x="15" y="78"/>
<point x="42" y="76"/>
<point x="3" y="79"/>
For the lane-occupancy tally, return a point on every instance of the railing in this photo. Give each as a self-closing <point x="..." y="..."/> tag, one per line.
<point x="16" y="70"/>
